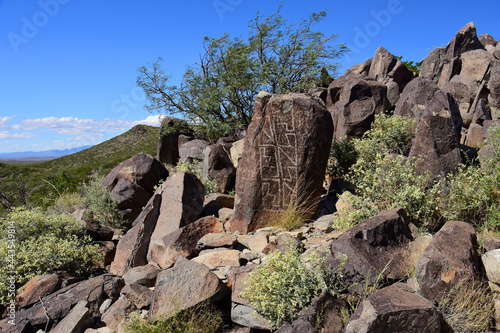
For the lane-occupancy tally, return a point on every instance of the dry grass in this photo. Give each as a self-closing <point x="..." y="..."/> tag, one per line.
<point x="296" y="212"/>
<point x="203" y="318"/>
<point x="468" y="307"/>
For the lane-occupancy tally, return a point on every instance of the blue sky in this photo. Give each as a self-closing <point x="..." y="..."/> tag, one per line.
<point x="68" y="68"/>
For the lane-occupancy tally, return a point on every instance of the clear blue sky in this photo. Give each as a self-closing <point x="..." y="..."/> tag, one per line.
<point x="68" y="68"/>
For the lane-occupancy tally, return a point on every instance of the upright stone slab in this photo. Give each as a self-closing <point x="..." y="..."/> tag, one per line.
<point x="181" y="203"/>
<point x="168" y="142"/>
<point x="284" y="157"/>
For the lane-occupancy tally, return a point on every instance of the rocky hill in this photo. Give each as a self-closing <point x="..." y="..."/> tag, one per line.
<point x="403" y="269"/>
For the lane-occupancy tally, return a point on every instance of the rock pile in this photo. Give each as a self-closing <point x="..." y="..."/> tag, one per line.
<point x="183" y="248"/>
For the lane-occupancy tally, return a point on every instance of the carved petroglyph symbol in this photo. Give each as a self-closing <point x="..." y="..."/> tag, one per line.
<point x="278" y="158"/>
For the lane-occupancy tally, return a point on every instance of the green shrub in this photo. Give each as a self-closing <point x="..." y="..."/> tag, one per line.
<point x="200" y="319"/>
<point x="388" y="134"/>
<point x="99" y="202"/>
<point x="284" y="285"/>
<point x="472" y="193"/>
<point x="43" y="243"/>
<point x="385" y="178"/>
<point x="342" y="157"/>
<point x="356" y="210"/>
<point x="392" y="182"/>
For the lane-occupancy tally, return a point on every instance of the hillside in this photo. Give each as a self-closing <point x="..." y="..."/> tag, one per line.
<point x="67" y="173"/>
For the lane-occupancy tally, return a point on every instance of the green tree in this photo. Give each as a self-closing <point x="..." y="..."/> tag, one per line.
<point x="218" y="92"/>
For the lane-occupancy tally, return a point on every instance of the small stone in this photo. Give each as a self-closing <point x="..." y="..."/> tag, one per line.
<point x="258" y="242"/>
<point x="105" y="305"/>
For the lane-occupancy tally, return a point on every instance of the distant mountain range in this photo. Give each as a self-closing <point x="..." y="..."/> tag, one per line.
<point x="40" y="155"/>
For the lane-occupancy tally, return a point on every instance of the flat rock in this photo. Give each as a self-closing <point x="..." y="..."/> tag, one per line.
<point x="491" y="262"/>
<point x="39" y="286"/>
<point x="76" y="321"/>
<point x="219" y="258"/>
<point x="117" y="312"/>
<point x="60" y="303"/>
<point x="215" y="240"/>
<point x="138" y="294"/>
<point x="143" y="275"/>
<point x="256" y="243"/>
<point x="396" y="309"/>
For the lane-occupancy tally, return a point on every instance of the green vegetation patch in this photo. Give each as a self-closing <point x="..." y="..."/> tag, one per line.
<point x="40" y="243"/>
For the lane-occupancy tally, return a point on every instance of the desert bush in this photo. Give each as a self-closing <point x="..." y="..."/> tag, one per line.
<point x="200" y="319"/>
<point x="357" y="210"/>
<point x="195" y="167"/>
<point x="43" y="242"/>
<point x="472" y="193"/>
<point x="67" y="203"/>
<point x="385" y="178"/>
<point x="284" y="285"/>
<point x="468" y="307"/>
<point x="99" y="202"/>
<point x="342" y="157"/>
<point x="393" y="182"/>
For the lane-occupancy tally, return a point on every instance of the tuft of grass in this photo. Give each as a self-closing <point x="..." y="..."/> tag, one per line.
<point x="468" y="307"/>
<point x="67" y="203"/>
<point x="203" y="318"/>
<point x="297" y="211"/>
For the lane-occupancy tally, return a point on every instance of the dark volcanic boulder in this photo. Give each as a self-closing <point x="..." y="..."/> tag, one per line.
<point x="494" y="85"/>
<point x="353" y="102"/>
<point x="436" y="143"/>
<point x="192" y="150"/>
<point x="181" y="202"/>
<point x="217" y="165"/>
<point x="396" y="309"/>
<point x="176" y="203"/>
<point x="442" y="64"/>
<point x="168" y="142"/>
<point x="284" y="158"/>
<point x="373" y="247"/>
<point x="59" y="304"/>
<point x="385" y="67"/>
<point x="183" y="286"/>
<point x="132" y="248"/>
<point x="450" y="256"/>
<point x="324" y="312"/>
<point x="141" y="169"/>
<point x="133" y="181"/>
